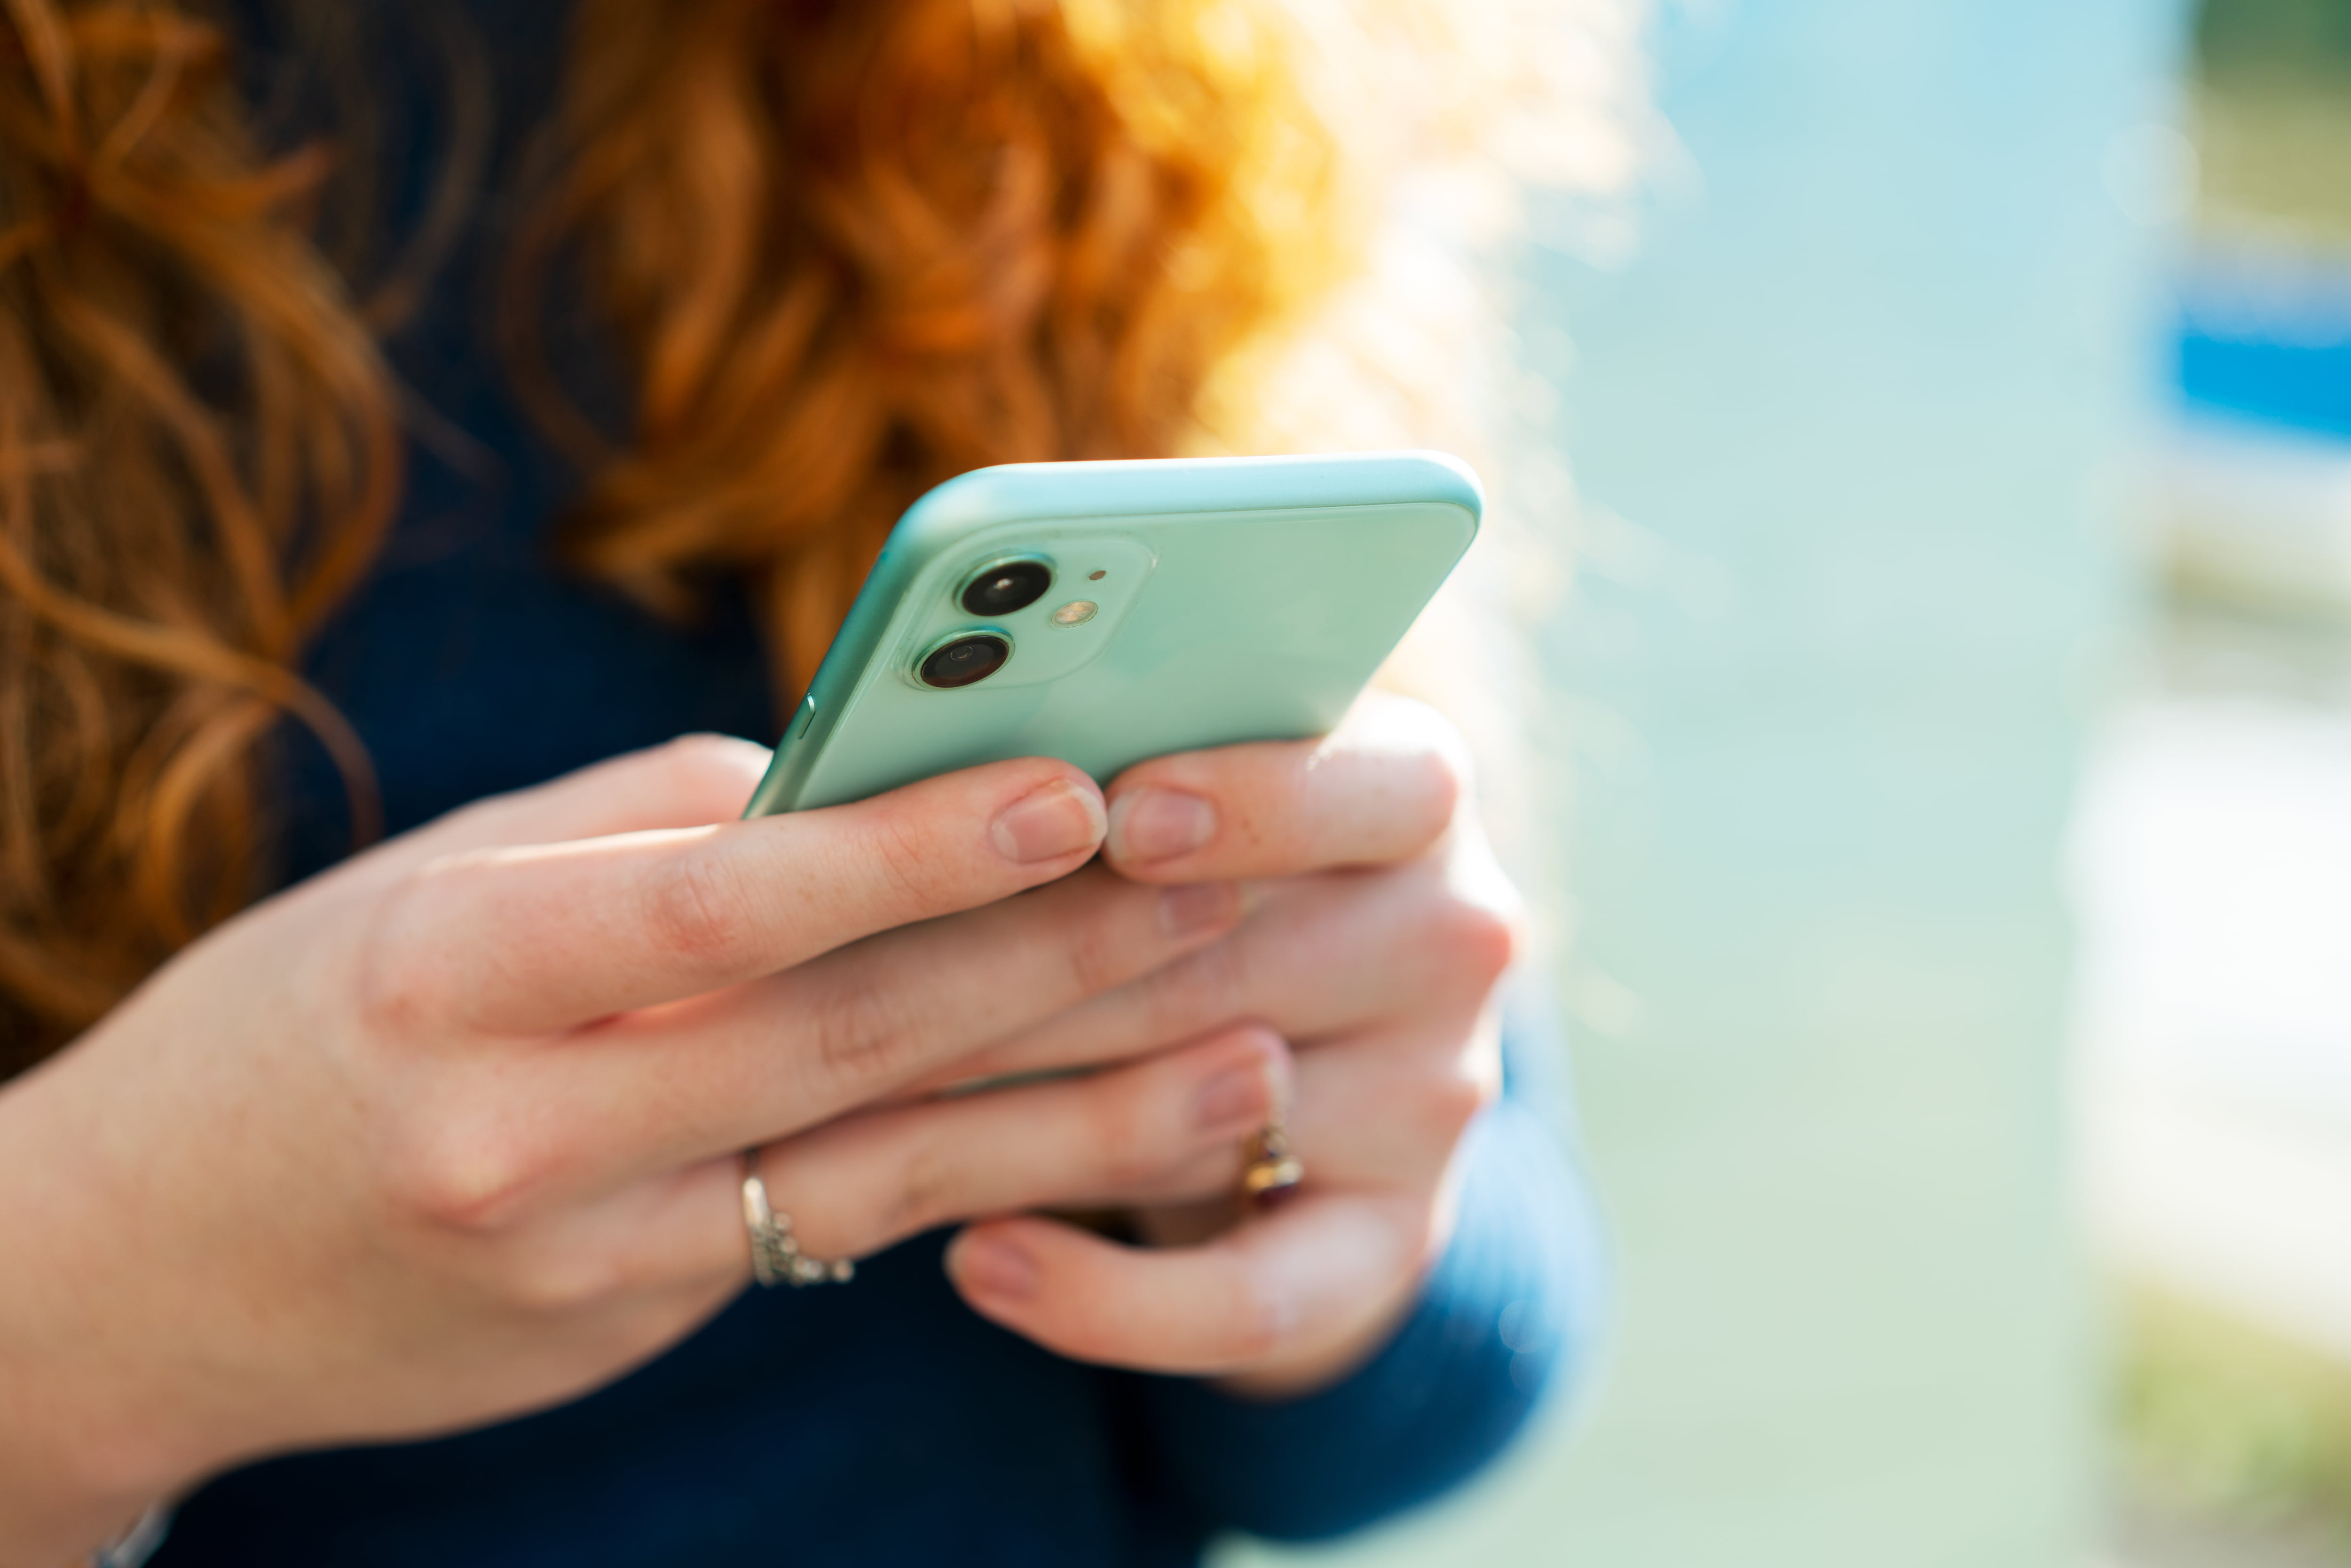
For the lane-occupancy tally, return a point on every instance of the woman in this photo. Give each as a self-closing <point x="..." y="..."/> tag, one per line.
<point x="395" y="1215"/>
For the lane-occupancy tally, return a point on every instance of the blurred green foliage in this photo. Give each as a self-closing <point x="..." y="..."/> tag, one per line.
<point x="2271" y="118"/>
<point x="2304" y="37"/>
<point x="2231" y="1423"/>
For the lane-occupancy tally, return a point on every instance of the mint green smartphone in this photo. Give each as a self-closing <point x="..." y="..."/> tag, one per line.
<point x="1109" y="612"/>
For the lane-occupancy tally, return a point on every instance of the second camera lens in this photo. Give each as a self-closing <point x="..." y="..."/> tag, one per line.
<point x="965" y="660"/>
<point x="1007" y="586"/>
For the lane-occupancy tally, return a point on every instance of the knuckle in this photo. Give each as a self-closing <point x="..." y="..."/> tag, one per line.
<point x="704" y="753"/>
<point x="399" y="984"/>
<point x="1451" y="1101"/>
<point x="1407" y="720"/>
<point x="1415" y="731"/>
<point x="1201" y="990"/>
<point x="1451" y="749"/>
<point x="698" y="909"/>
<point x="1125" y="1152"/>
<point x="896" y="853"/>
<point x="484" y="820"/>
<point x="1446" y="777"/>
<point x="1480" y="937"/>
<point x="458" y="1172"/>
<point x="1097" y="956"/>
<point x="923" y="1196"/>
<point x="860" y="1029"/>
<point x="716" y="770"/>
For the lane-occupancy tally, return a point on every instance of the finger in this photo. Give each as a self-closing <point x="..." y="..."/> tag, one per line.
<point x="856" y="1186"/>
<point x="660" y="1087"/>
<point x="1314" y="1272"/>
<point x="1317" y="957"/>
<point x="525" y="940"/>
<point x="1383" y="788"/>
<point x="1379" y="1112"/>
<point x="1371" y="1114"/>
<point x="688" y="782"/>
<point x="1387" y="1110"/>
<point x="1101" y="1141"/>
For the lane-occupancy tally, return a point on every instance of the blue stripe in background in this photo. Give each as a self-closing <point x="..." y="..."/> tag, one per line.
<point x="2300" y="385"/>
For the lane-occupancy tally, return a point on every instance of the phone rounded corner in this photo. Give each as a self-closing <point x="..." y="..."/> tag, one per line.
<point x="946" y="512"/>
<point x="1451" y="482"/>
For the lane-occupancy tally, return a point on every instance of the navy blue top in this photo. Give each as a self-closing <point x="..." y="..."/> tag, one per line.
<point x="878" y="1423"/>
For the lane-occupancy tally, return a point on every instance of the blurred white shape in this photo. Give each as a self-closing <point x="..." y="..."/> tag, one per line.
<point x="2277" y="496"/>
<point x="2228" y="1206"/>
<point x="2213" y="873"/>
<point x="1488" y="97"/>
<point x="2250" y="531"/>
<point x="2150" y="174"/>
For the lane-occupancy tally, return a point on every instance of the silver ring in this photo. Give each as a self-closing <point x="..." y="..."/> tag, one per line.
<point x="776" y="1255"/>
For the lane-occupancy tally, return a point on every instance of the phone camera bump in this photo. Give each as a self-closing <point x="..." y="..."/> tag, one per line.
<point x="1005" y="586"/>
<point x="966" y="660"/>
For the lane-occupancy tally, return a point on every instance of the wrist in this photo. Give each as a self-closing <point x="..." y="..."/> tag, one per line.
<point x="68" y="1489"/>
<point x="78" y="1460"/>
<point x="42" y="1531"/>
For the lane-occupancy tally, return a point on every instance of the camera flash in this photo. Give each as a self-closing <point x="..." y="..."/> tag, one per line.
<point x="1076" y="612"/>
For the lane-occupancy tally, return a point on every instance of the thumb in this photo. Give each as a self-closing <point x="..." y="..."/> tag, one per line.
<point x="689" y="782"/>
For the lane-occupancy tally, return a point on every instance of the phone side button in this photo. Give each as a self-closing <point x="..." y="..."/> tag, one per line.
<point x="807" y="716"/>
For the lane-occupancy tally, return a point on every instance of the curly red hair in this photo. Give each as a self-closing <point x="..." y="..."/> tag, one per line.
<point x="847" y="249"/>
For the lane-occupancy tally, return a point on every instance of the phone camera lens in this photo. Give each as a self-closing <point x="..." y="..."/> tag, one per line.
<point x="966" y="660"/>
<point x="1007" y="586"/>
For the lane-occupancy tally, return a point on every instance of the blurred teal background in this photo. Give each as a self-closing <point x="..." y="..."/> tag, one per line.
<point x="1854" y="430"/>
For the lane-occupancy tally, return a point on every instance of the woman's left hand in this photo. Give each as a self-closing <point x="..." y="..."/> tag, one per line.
<point x="1382" y="926"/>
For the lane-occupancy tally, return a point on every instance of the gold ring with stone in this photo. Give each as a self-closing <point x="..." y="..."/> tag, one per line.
<point x="1272" y="1172"/>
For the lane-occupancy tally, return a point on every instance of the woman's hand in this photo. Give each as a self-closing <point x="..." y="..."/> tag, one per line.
<point x="1382" y="926"/>
<point x="450" y="1131"/>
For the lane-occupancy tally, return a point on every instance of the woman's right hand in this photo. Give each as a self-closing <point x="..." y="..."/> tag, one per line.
<point x="450" y="1131"/>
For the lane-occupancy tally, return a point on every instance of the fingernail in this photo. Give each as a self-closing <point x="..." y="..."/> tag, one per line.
<point x="1159" y="824"/>
<point x="994" y="1268"/>
<point x="1047" y="822"/>
<point x="1237" y="1097"/>
<point x="1196" y="907"/>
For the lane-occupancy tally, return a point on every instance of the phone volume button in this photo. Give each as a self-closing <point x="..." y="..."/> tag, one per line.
<point x="807" y="716"/>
